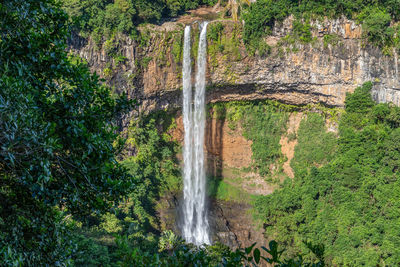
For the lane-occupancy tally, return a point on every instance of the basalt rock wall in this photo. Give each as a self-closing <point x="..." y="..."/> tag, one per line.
<point x="149" y="68"/>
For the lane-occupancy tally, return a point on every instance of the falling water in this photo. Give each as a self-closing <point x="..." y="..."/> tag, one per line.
<point x="195" y="225"/>
<point x="188" y="203"/>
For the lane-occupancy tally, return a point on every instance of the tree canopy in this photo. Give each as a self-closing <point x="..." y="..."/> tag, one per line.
<point x="102" y="17"/>
<point x="58" y="143"/>
<point x="349" y="205"/>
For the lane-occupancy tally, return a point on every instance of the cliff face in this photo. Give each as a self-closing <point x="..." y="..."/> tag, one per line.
<point x="323" y="71"/>
<point x="293" y="72"/>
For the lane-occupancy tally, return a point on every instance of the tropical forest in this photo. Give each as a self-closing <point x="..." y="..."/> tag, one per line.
<point x="193" y="133"/>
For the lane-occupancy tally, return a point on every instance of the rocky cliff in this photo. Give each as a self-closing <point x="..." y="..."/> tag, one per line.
<point x="322" y="71"/>
<point x="148" y="69"/>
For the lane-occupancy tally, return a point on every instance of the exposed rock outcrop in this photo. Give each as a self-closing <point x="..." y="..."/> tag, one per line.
<point x="230" y="222"/>
<point x="233" y="225"/>
<point x="150" y="69"/>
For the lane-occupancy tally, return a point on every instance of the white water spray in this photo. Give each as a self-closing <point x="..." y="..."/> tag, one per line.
<point x="195" y="222"/>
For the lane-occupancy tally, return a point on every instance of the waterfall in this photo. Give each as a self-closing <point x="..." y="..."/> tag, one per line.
<point x="188" y="207"/>
<point x="195" y="222"/>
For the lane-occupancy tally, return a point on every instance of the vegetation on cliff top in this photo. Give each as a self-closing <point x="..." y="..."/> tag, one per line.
<point x="375" y="17"/>
<point x="104" y="17"/>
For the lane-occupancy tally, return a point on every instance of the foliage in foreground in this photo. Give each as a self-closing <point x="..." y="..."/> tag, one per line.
<point x="170" y="250"/>
<point x="57" y="139"/>
<point x="350" y="205"/>
<point x="174" y="252"/>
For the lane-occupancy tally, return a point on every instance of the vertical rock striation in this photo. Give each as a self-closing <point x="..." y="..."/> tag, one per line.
<point x="312" y="73"/>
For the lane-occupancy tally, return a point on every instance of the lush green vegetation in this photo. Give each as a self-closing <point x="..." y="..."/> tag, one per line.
<point x="154" y="166"/>
<point x="58" y="142"/>
<point x="264" y="124"/>
<point x="67" y="200"/>
<point x="315" y="146"/>
<point x="350" y="205"/>
<point x="260" y="18"/>
<point x="173" y="252"/>
<point x="224" y="44"/>
<point x="375" y="17"/>
<point x="103" y="17"/>
<point x="222" y="190"/>
<point x="344" y="196"/>
<point x="133" y="224"/>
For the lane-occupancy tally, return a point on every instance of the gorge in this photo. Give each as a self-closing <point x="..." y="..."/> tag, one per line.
<point x="306" y="75"/>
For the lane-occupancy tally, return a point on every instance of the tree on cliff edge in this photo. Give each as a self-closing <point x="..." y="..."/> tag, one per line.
<point x="233" y="7"/>
<point x="57" y="140"/>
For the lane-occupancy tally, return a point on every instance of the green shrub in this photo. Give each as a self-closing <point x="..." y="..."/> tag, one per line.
<point x="302" y="31"/>
<point x="215" y="31"/>
<point x="107" y="72"/>
<point x="89" y="252"/>
<point x="264" y="125"/>
<point x="110" y="223"/>
<point x="315" y="146"/>
<point x="360" y="101"/>
<point x="259" y="18"/>
<point x="331" y="39"/>
<point x="119" y="59"/>
<point x="264" y="49"/>
<point x="145" y="62"/>
<point x="177" y="47"/>
<point x="169" y="241"/>
<point x="375" y="23"/>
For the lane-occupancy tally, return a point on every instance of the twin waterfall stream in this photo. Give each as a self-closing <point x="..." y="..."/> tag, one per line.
<point x="195" y="228"/>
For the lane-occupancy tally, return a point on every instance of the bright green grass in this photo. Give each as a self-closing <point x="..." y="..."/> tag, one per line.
<point x="221" y="190"/>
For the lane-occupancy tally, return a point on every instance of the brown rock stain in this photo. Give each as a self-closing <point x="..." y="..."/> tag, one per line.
<point x="287" y="146"/>
<point x="230" y="146"/>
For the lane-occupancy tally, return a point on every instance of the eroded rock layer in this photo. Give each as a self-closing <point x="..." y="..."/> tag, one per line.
<point x="317" y="72"/>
